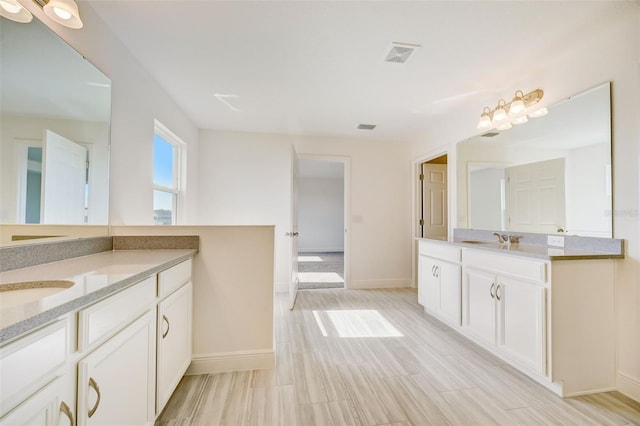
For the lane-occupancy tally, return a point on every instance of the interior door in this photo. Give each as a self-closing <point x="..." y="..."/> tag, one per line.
<point x="434" y="200"/>
<point x="293" y="234"/>
<point x="64" y="178"/>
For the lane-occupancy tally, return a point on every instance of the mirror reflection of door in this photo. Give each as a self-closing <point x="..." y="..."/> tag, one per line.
<point x="64" y="181"/>
<point x="33" y="189"/>
<point x="434" y="200"/>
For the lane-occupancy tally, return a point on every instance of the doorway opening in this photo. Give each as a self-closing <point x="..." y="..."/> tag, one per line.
<point x="433" y="199"/>
<point x="322" y="195"/>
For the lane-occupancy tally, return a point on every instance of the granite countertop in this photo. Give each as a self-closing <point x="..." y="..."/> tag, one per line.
<point x="532" y="250"/>
<point x="95" y="276"/>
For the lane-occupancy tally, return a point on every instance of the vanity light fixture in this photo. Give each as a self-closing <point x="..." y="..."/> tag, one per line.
<point x="14" y="11"/>
<point x="514" y="112"/>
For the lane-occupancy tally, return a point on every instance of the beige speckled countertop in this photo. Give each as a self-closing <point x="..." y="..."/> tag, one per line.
<point x="95" y="276"/>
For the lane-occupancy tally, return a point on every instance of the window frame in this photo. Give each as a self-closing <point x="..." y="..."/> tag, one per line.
<point x="178" y="172"/>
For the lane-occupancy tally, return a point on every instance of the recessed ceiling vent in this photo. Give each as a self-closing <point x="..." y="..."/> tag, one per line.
<point x="400" y="52"/>
<point x="366" y="126"/>
<point x="490" y="134"/>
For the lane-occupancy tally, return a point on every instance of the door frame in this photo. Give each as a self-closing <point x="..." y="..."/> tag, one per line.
<point x="416" y="205"/>
<point x="346" y="164"/>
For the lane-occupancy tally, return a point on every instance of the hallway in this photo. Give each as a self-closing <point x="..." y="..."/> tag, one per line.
<point x="321" y="270"/>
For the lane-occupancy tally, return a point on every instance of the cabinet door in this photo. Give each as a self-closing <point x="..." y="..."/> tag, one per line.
<point x="51" y="406"/>
<point x="479" y="311"/>
<point x="116" y="382"/>
<point x="429" y="290"/>
<point x="521" y="322"/>
<point x="174" y="342"/>
<point x="449" y="276"/>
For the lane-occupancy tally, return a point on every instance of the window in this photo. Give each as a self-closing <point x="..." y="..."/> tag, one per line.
<point x="167" y="179"/>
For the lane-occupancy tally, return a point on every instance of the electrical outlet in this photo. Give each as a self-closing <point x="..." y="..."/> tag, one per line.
<point x="555" y="240"/>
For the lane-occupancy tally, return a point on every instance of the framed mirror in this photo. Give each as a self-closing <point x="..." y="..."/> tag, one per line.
<point x="549" y="175"/>
<point x="55" y="111"/>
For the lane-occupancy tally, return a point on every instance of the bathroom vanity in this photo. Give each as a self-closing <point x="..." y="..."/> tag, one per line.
<point x="110" y="349"/>
<point x="549" y="312"/>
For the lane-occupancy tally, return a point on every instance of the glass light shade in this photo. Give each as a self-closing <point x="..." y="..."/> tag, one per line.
<point x="520" y="120"/>
<point x="538" y="113"/>
<point x="485" y="119"/>
<point x="505" y="126"/>
<point x="64" y="12"/>
<point x="500" y="114"/>
<point x="14" y="11"/>
<point x="517" y="104"/>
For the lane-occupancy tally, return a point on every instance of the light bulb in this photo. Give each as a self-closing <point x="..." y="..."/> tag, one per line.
<point x="500" y="114"/>
<point x="63" y="14"/>
<point x="485" y="119"/>
<point x="10" y="6"/>
<point x="538" y="113"/>
<point x="505" y="126"/>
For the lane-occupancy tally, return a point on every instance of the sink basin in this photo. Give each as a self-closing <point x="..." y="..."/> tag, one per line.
<point x="19" y="293"/>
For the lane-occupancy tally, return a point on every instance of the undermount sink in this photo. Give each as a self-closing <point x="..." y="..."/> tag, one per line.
<point x="19" y="293"/>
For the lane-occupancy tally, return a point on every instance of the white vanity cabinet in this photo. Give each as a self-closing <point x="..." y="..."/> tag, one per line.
<point x="506" y="311"/>
<point x="174" y="330"/>
<point x="439" y="280"/>
<point x="52" y="405"/>
<point x="116" y="381"/>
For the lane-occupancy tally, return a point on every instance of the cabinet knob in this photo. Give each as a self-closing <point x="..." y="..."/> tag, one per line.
<point x="94" y="385"/>
<point x="64" y="409"/>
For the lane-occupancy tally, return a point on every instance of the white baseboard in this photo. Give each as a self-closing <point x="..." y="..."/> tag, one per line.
<point x="281" y="287"/>
<point x="629" y="385"/>
<point x="364" y="284"/>
<point x="232" y="361"/>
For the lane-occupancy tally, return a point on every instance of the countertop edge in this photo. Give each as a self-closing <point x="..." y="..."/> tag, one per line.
<point x="16" y="330"/>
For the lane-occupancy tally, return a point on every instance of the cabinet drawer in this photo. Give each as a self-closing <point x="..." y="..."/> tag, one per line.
<point x="439" y="251"/>
<point x="533" y="270"/>
<point x="98" y="322"/>
<point x="174" y="277"/>
<point x="31" y="362"/>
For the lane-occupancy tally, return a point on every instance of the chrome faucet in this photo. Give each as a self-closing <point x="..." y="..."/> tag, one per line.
<point x="502" y="238"/>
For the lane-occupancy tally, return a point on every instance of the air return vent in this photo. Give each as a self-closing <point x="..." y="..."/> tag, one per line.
<point x="400" y="52"/>
<point x="366" y="126"/>
<point x="490" y="134"/>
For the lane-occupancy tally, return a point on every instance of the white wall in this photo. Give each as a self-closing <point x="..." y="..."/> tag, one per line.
<point x="320" y="214"/>
<point x="245" y="179"/>
<point x="609" y="50"/>
<point x="379" y="229"/>
<point x="136" y="100"/>
<point x="16" y="130"/>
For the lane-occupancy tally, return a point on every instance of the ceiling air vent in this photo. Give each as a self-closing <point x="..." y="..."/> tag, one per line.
<point x="366" y="126"/>
<point x="490" y="134"/>
<point x="400" y="52"/>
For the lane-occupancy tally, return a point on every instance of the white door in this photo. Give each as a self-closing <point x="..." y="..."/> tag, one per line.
<point x="64" y="178"/>
<point x="434" y="200"/>
<point x="535" y="197"/>
<point x="293" y="234"/>
<point x="479" y="310"/>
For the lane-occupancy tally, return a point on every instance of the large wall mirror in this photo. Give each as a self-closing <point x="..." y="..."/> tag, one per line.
<point x="551" y="174"/>
<point x="55" y="111"/>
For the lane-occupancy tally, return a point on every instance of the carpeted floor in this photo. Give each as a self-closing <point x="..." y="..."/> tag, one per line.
<point x="321" y="270"/>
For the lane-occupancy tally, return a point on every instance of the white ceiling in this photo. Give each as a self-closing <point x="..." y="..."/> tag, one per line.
<point x="317" y="67"/>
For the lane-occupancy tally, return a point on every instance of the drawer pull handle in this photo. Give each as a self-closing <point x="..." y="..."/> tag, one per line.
<point x="498" y="292"/>
<point x="492" y="290"/>
<point x="164" y="317"/>
<point x="433" y="271"/>
<point x="94" y="385"/>
<point x="64" y="409"/>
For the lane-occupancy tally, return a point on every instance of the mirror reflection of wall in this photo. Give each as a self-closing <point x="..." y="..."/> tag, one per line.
<point x="552" y="174"/>
<point x="48" y="88"/>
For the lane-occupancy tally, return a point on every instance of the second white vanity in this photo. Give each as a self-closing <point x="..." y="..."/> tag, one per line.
<point x="545" y="311"/>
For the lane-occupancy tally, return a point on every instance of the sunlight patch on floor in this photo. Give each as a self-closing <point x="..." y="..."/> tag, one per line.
<point x="309" y="259"/>
<point x="320" y="277"/>
<point x="354" y="323"/>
